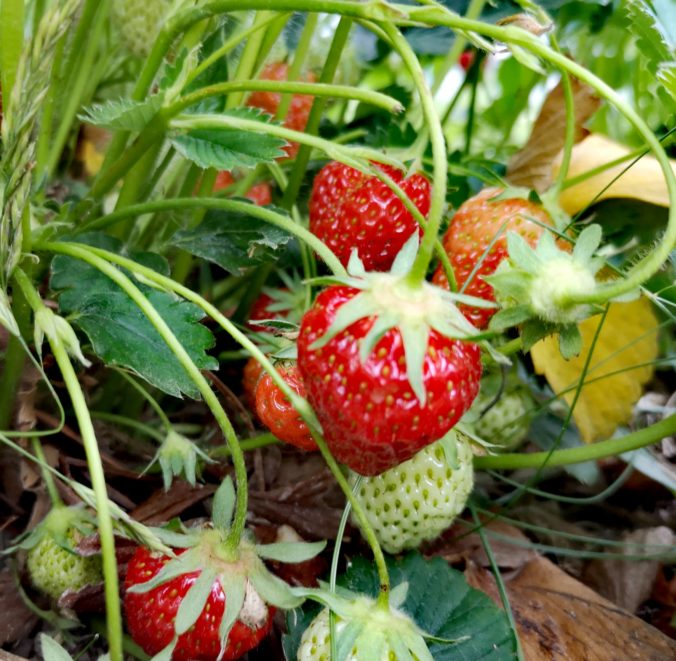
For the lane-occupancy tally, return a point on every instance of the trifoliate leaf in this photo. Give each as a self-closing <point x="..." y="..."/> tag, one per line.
<point x="619" y="367"/>
<point x="120" y="333"/>
<point x="124" y="114"/>
<point x="227" y="149"/>
<point x="234" y="241"/>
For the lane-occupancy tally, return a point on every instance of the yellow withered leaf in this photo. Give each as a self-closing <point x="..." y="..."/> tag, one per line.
<point x="644" y="180"/>
<point x="620" y="366"/>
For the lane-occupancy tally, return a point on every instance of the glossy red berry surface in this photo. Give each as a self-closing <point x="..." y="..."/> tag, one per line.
<point x="349" y="209"/>
<point x="276" y="412"/>
<point x="371" y="418"/>
<point x="477" y="235"/>
<point x="150" y="615"/>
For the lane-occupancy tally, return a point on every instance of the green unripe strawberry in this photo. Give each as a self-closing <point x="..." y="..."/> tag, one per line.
<point x="506" y="422"/>
<point x="53" y="569"/>
<point x="418" y="499"/>
<point x="138" y="22"/>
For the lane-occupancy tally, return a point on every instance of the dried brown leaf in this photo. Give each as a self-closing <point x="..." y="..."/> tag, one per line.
<point x="532" y="166"/>
<point x="17" y="620"/>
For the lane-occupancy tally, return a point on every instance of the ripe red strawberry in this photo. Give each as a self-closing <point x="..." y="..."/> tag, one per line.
<point x="150" y="615"/>
<point x="473" y="229"/>
<point x="372" y="417"/>
<point x="466" y="59"/>
<point x="349" y="209"/>
<point x="276" y="412"/>
<point x="301" y="104"/>
<point x="260" y="194"/>
<point x="250" y="376"/>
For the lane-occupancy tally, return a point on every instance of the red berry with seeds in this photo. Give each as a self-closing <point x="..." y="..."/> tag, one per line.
<point x="151" y="615"/>
<point x="278" y="414"/>
<point x="250" y="377"/>
<point x="301" y="104"/>
<point x="349" y="209"/>
<point x="477" y="239"/>
<point x="370" y="414"/>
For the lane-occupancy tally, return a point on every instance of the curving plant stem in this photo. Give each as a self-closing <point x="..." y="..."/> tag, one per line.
<point x="105" y="523"/>
<point x="609" y="448"/>
<point x="81" y="252"/>
<point x="98" y="257"/>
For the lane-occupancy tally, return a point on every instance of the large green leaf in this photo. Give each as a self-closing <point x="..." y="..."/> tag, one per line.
<point x="226" y="149"/>
<point x="119" y="332"/>
<point x="441" y="603"/>
<point x="234" y="241"/>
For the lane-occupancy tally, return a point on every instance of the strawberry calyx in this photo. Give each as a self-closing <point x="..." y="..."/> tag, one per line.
<point x="373" y="628"/>
<point x="249" y="587"/>
<point x="412" y="308"/>
<point x="539" y="287"/>
<point x="178" y="455"/>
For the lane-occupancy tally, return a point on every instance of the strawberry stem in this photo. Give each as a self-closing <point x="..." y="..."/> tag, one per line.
<point x="100" y="260"/>
<point x="438" y="198"/>
<point x="105" y="524"/>
<point x="612" y="447"/>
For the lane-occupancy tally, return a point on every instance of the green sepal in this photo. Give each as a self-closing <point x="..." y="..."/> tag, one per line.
<point x="533" y="331"/>
<point x="415" y="339"/>
<point x="521" y="254"/>
<point x="398" y="594"/>
<point x="570" y="341"/>
<point x="449" y="445"/>
<point x="509" y="317"/>
<point x="348" y="314"/>
<point x="179" y="540"/>
<point x="167" y="652"/>
<point x="347" y="639"/>
<point x="510" y="283"/>
<point x="381" y="325"/>
<point x="235" y="590"/>
<point x="184" y="564"/>
<point x="224" y="505"/>
<point x="587" y="243"/>
<point x="274" y="590"/>
<point x="400" y="649"/>
<point x="194" y="601"/>
<point x="405" y="258"/>
<point x="290" y="551"/>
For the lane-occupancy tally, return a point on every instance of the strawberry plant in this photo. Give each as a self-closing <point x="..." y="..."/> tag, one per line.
<point x="235" y="232"/>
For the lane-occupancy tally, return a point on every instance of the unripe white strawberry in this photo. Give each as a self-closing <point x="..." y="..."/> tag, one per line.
<point x="393" y="630"/>
<point x="418" y="499"/>
<point x="138" y="21"/>
<point x="506" y="422"/>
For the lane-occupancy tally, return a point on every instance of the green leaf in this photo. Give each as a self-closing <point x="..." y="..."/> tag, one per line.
<point x="226" y="149"/>
<point x="124" y="114"/>
<point x="224" y="504"/>
<point x="666" y="77"/>
<point x="440" y="601"/>
<point x="234" y="241"/>
<point x="194" y="601"/>
<point x="52" y="651"/>
<point x="290" y="551"/>
<point x="120" y="333"/>
<point x="652" y="23"/>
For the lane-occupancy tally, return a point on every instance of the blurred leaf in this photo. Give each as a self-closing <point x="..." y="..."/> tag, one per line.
<point x="654" y="466"/>
<point x="234" y="241"/>
<point x="441" y="603"/>
<point x="119" y="332"/>
<point x="651" y="22"/>
<point x="666" y="75"/>
<point x="532" y="166"/>
<point x="226" y="149"/>
<point x="124" y="114"/>
<point x="625" y="349"/>
<point x="643" y="181"/>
